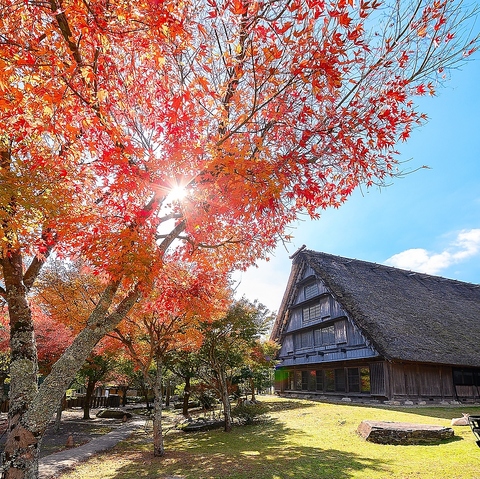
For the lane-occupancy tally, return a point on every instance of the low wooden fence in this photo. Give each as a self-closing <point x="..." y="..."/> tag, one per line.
<point x="95" y="402"/>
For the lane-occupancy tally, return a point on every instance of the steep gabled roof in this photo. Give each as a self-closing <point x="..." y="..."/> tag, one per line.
<point x="407" y="316"/>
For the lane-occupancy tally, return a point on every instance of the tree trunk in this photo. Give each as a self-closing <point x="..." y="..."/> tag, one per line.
<point x="88" y="397"/>
<point x="167" y="394"/>
<point x="145" y="394"/>
<point x="58" y="416"/>
<point x="252" y="389"/>
<point x="3" y="396"/>
<point x="227" y="407"/>
<point x="20" y="457"/>
<point x="158" y="446"/>
<point x="31" y="408"/>
<point x="186" y="396"/>
<point x="124" y="390"/>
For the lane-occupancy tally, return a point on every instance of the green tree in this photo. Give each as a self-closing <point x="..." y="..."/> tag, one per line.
<point x="95" y="369"/>
<point x="227" y="344"/>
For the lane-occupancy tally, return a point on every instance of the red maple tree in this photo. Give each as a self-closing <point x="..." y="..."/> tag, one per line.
<point x="260" y="110"/>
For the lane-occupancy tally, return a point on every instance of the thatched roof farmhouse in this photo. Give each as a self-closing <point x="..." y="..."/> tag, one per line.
<point x="351" y="328"/>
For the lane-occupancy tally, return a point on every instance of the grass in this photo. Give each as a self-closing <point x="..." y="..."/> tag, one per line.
<point x="301" y="440"/>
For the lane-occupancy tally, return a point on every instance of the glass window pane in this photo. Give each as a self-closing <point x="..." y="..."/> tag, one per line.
<point x="329" y="380"/>
<point x="365" y="380"/>
<point x="298" y="380"/>
<point x="304" y="380"/>
<point x="325" y="307"/>
<point x="319" y="376"/>
<point x="353" y="380"/>
<point x="340" y="380"/>
<point x="328" y="335"/>
<point x="341" y="332"/>
<point x="311" y="290"/>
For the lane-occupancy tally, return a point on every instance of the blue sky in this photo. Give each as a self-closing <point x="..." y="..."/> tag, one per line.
<point x="427" y="221"/>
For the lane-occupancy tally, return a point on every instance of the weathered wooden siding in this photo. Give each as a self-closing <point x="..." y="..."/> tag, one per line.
<point x="421" y="382"/>
<point x="378" y="379"/>
<point x="318" y="329"/>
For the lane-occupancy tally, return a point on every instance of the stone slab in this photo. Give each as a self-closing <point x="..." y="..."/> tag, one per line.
<point x="403" y="433"/>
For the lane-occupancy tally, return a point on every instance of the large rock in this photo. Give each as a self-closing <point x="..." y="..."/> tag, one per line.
<point x="113" y="414"/>
<point x="384" y="432"/>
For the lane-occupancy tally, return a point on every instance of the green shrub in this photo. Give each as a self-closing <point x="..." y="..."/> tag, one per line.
<point x="248" y="412"/>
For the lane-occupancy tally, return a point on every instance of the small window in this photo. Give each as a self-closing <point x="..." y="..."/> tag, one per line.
<point x="340" y="380"/>
<point x="311" y="290"/>
<point x="310" y="313"/>
<point x="307" y="339"/>
<point x="341" y="332"/>
<point x="304" y="340"/>
<point x="365" y="380"/>
<point x="353" y="376"/>
<point x="329" y="380"/>
<point x="328" y="335"/>
<point x="304" y="380"/>
<point x="325" y="307"/>
<point x="298" y="380"/>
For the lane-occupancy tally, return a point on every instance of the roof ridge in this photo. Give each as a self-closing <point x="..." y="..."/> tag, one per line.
<point x="375" y="265"/>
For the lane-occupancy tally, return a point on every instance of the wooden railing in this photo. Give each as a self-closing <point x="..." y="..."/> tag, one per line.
<point x="95" y="402"/>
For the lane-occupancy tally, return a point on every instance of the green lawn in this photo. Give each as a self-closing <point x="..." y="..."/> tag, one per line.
<point x="302" y="440"/>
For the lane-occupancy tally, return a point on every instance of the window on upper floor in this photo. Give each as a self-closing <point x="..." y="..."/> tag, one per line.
<point x="304" y="340"/>
<point x="328" y="335"/>
<point x="310" y="313"/>
<point x="334" y="334"/>
<point x="324" y="336"/>
<point x="319" y="310"/>
<point x="341" y="332"/>
<point x="310" y="290"/>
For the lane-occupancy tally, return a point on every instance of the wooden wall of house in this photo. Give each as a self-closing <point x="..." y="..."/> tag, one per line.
<point x="314" y="315"/>
<point x="388" y="381"/>
<point x="420" y="382"/>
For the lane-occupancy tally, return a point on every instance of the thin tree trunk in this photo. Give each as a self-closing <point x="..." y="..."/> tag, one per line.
<point x="167" y="394"/>
<point x="227" y="407"/>
<point x="58" y="416"/>
<point x="186" y="396"/>
<point x="88" y="397"/>
<point x="158" y="446"/>
<point x="124" y="390"/>
<point x="252" y="388"/>
<point x="145" y="393"/>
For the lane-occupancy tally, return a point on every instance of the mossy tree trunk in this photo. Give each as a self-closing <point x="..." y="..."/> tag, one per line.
<point x="31" y="406"/>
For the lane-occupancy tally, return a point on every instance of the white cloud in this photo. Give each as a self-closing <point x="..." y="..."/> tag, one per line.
<point x="465" y="245"/>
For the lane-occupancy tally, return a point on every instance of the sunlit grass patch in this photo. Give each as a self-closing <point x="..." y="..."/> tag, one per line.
<point x="301" y="440"/>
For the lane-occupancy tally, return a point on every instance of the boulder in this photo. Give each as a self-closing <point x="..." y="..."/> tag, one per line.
<point x="384" y="432"/>
<point x="113" y="414"/>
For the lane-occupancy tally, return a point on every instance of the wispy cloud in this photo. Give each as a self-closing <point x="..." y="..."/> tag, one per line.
<point x="465" y="246"/>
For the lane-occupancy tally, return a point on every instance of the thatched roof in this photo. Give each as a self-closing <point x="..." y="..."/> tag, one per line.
<point x="407" y="316"/>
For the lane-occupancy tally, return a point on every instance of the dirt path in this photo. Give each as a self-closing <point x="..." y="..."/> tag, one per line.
<point x="72" y="424"/>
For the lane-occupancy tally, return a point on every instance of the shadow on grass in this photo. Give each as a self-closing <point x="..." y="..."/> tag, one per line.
<point x="287" y="404"/>
<point x="261" y="451"/>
